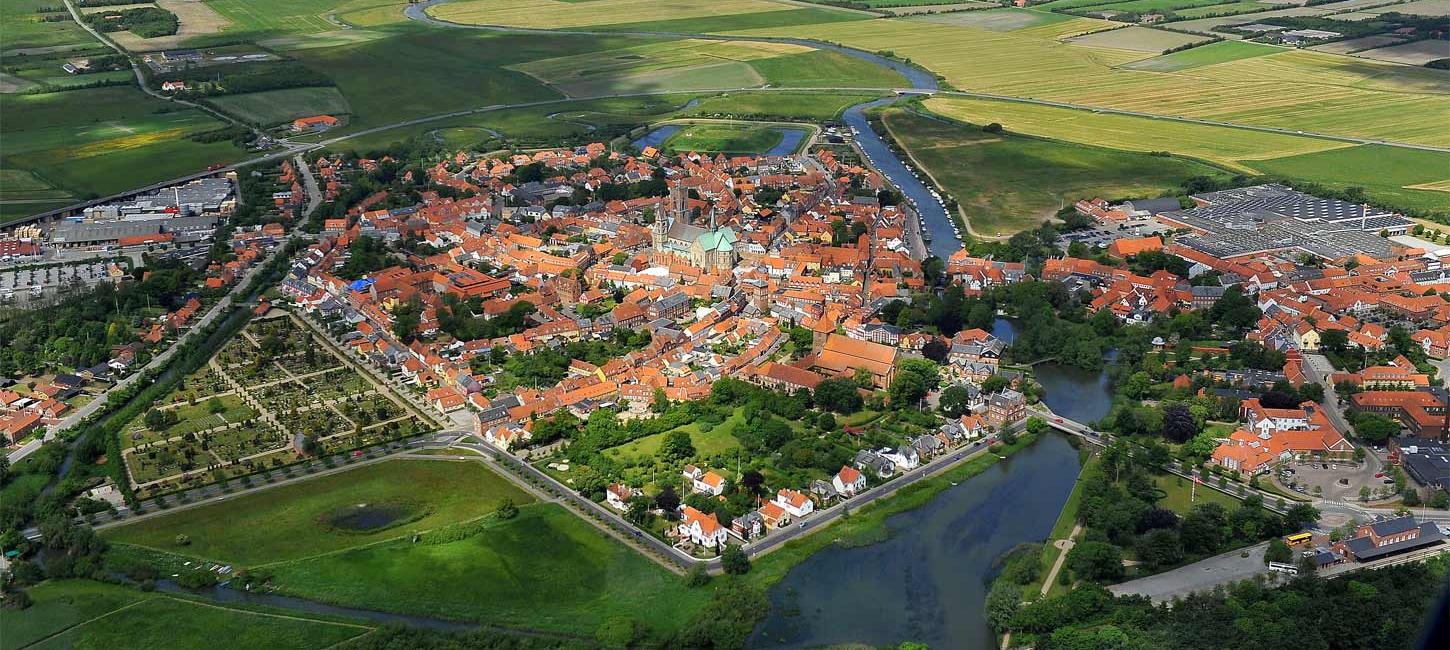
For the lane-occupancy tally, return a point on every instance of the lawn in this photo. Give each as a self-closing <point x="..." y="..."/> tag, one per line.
<point x="724" y="138"/>
<point x="1180" y="496"/>
<point x="1383" y="171"/>
<point x="277" y="106"/>
<point x="98" y="141"/>
<point x="545" y="569"/>
<point x="1007" y="183"/>
<point x="1211" y="54"/>
<point x="716" y="441"/>
<point x="82" y="614"/>
<point x="298" y="520"/>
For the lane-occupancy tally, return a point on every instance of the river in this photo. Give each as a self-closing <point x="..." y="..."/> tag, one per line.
<point x="1081" y="395"/>
<point x="928" y="582"/>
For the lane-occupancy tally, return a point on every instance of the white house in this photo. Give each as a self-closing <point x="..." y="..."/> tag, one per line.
<point x="618" y="496"/>
<point x="704" y="482"/>
<point x="702" y="529"/>
<point x="904" y="458"/>
<point x="848" y="482"/>
<point x="795" y="503"/>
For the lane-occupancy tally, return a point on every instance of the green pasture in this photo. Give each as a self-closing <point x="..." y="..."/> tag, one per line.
<point x="724" y="138"/>
<point x="278" y="106"/>
<point x="1383" y="171"/>
<point x="290" y="522"/>
<point x="544" y="569"/>
<point x="1197" y="57"/>
<point x="1008" y="183"/>
<point x="23" y="26"/>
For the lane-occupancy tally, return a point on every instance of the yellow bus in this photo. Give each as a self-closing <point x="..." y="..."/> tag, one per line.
<point x="1298" y="538"/>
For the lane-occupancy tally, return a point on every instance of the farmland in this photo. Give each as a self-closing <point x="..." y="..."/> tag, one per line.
<point x="276" y="106"/>
<point x="262" y="18"/>
<point x="104" y="140"/>
<point x="687" y="16"/>
<point x="1008" y="183"/>
<point x="84" y="614"/>
<point x="25" y="27"/>
<point x="737" y="138"/>
<point x="545" y="569"/>
<point x="1211" y="54"/>
<point x="1382" y="171"/>
<point x="292" y="521"/>
<point x="272" y="385"/>
<point x="1136" y="39"/>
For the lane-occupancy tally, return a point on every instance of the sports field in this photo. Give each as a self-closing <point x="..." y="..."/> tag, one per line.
<point x="98" y="141"/>
<point x="87" y="615"/>
<point x="302" y="519"/>
<point x="1008" y="183"/>
<point x="1382" y="171"/>
<point x="545" y="569"/>
<point x="277" y="106"/>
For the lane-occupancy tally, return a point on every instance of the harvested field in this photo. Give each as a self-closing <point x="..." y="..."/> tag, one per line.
<point x="998" y="20"/>
<point x="556" y="14"/>
<point x="1207" y="24"/>
<point x="1136" y="39"/>
<point x="1227" y="9"/>
<point x="926" y="9"/>
<point x="196" y="19"/>
<point x="1416" y="8"/>
<point x="1211" y="54"/>
<point x="1416" y="53"/>
<point x="1357" y="44"/>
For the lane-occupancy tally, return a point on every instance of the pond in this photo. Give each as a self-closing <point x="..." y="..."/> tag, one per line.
<point x="369" y="517"/>
<point x="928" y="581"/>
<point x="1082" y="395"/>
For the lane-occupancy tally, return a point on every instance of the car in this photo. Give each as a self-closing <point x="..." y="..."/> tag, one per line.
<point x="1379" y="475"/>
<point x="1389" y="481"/>
<point x="1324" y="466"/>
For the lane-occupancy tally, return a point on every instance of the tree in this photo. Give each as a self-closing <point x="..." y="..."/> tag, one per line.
<point x="677" y="446"/>
<point x="995" y="384"/>
<point x="1375" y="428"/>
<point x="1003" y="601"/>
<point x="1205" y="529"/>
<point x="660" y="403"/>
<point x="1095" y="561"/>
<point x="637" y="511"/>
<point x="955" y="400"/>
<point x="1036" y="425"/>
<point x="214" y="405"/>
<point x="1278" y="551"/>
<point x="752" y="481"/>
<point x="1160" y="548"/>
<point x="618" y="632"/>
<point x="507" y="509"/>
<point x="936" y="350"/>
<point x="838" y="395"/>
<point x="734" y="561"/>
<point x="668" y="501"/>
<point x="1179" y="425"/>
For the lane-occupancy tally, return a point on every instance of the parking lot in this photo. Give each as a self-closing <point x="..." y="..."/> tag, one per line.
<point x="1101" y="235"/>
<point x="19" y="286"/>
<point x="1339" y="481"/>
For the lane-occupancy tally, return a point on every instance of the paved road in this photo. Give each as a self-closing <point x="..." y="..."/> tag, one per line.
<point x="1203" y="575"/>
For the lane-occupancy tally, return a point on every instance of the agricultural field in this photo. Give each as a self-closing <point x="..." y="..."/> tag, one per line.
<point x="92" y="615"/>
<point x="1136" y="39"/>
<point x="21" y="186"/>
<point x="26" y="28"/>
<point x="730" y="138"/>
<point x="273" y="384"/>
<point x="1207" y="24"/>
<point x="273" y="107"/>
<point x="1211" y="54"/>
<point x="1357" y="44"/>
<point x="1329" y="94"/>
<point x="1226" y="9"/>
<point x="1382" y="171"/>
<point x="1415" y="53"/>
<point x="98" y="141"/>
<point x="1008" y="183"/>
<point x="323" y="515"/>
<point x="998" y="20"/>
<point x="544" y="569"/>
<point x="194" y="19"/>
<point x="274" y="18"/>
<point x="676" y="16"/>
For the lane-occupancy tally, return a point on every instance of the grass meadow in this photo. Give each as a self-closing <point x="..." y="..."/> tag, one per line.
<point x="85" y="615"/>
<point x="272" y="107"/>
<point x="674" y="16"/>
<point x="1009" y="183"/>
<point x="290" y="522"/>
<point x="545" y="569"/>
<point x="24" y="27"/>
<point x="1211" y="54"/>
<point x="737" y="138"/>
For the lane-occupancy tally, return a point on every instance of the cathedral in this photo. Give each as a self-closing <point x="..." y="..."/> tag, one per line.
<point x="677" y="240"/>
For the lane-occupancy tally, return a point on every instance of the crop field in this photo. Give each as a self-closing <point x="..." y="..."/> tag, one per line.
<point x="83" y="614"/>
<point x="544" y="569"/>
<point x="24" y="27"/>
<point x="676" y="16"/>
<point x="276" y="17"/>
<point x="23" y="185"/>
<point x="1211" y="54"/>
<point x="1140" y="6"/>
<point x="1416" y="53"/>
<point x="240" y="414"/>
<point x="1006" y="184"/>
<point x="1137" y="39"/>
<point x="195" y="19"/>
<point x="277" y="106"/>
<point x="310" y="517"/>
<point x="702" y="65"/>
<point x="98" y="141"/>
<point x="1294" y="89"/>
<point x="1357" y="44"/>
<point x="1416" y="8"/>
<point x="998" y="20"/>
<point x="1207" y="24"/>
<point x="1383" y="171"/>
<point x="1225" y="9"/>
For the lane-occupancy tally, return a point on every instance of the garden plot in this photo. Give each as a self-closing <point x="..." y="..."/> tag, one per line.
<point x="274" y="388"/>
<point x="1137" y="39"/>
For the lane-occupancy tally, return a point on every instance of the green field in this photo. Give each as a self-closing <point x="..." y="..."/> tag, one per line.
<point x="292" y="521"/>
<point x="22" y="26"/>
<point x="277" y="106"/>
<point x="1180" y="497"/>
<point x="1008" y="183"/>
<point x="84" y="615"/>
<point x="714" y="442"/>
<point x="825" y="69"/>
<point x="998" y="20"/>
<point x="675" y="16"/>
<point x="545" y="569"/>
<point x="1383" y="171"/>
<point x="1141" y="6"/>
<point x="803" y="106"/>
<point x="1226" y="9"/>
<point x="262" y="18"/>
<point x="1213" y="53"/>
<point x="724" y="138"/>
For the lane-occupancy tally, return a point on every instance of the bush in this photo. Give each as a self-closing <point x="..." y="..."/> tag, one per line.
<point x="507" y="509"/>
<point x="697" y="576"/>
<point x="734" y="561"/>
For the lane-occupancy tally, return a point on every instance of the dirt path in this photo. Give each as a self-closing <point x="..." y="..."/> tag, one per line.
<point x="1065" y="545"/>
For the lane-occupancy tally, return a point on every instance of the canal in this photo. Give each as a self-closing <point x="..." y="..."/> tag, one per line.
<point x="928" y="581"/>
<point x="1081" y="395"/>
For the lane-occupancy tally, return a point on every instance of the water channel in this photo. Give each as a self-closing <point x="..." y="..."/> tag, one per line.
<point x="927" y="582"/>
